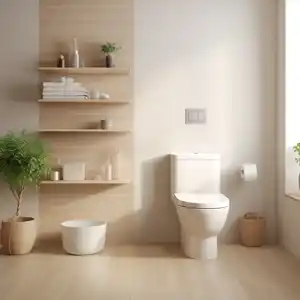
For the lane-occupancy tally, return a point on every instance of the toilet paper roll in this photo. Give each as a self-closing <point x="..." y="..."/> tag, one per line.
<point x="249" y="172"/>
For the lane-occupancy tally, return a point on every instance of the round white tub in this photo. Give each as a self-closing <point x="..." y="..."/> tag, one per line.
<point x="83" y="237"/>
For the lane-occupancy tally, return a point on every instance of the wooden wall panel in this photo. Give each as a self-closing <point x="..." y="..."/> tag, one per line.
<point x="92" y="22"/>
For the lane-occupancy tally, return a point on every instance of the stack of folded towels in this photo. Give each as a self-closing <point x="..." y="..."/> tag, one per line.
<point x="65" y="89"/>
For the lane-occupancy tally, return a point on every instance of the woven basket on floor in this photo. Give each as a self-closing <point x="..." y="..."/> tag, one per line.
<point x="252" y="230"/>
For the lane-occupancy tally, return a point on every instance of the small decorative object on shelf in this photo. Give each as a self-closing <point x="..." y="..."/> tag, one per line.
<point x="104" y="96"/>
<point x="75" y="63"/>
<point x="61" y="62"/>
<point x="74" y="171"/>
<point x="94" y="94"/>
<point x="109" y="170"/>
<point x="97" y="95"/>
<point x="105" y="124"/>
<point x="109" y="49"/>
<point x="55" y="175"/>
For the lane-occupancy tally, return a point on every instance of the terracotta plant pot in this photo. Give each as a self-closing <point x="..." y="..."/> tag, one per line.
<point x="18" y="235"/>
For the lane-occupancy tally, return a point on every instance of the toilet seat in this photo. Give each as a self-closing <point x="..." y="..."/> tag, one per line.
<point x="202" y="201"/>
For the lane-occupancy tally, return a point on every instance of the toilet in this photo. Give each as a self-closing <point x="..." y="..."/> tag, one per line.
<point x="201" y="208"/>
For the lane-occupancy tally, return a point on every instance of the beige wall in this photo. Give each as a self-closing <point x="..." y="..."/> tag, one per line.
<point x="18" y="81"/>
<point x="219" y="55"/>
<point x="92" y="23"/>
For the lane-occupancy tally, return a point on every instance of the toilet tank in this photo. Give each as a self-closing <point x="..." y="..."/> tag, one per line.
<point x="195" y="173"/>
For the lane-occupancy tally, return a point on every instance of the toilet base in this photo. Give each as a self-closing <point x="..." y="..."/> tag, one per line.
<point x="200" y="248"/>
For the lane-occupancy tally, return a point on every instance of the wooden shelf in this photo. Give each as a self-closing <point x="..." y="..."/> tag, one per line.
<point x="82" y="131"/>
<point x="88" y="182"/>
<point x="85" y="71"/>
<point x="90" y="101"/>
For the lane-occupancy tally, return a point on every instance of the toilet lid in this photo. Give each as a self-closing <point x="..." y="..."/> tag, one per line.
<point x="202" y="200"/>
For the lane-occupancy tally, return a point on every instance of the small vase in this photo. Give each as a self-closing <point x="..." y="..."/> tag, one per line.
<point x="75" y="63"/>
<point x="109" y="61"/>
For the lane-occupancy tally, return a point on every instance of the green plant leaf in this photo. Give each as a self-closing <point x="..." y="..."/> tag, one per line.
<point x="296" y="150"/>
<point x="110" y="48"/>
<point x="23" y="161"/>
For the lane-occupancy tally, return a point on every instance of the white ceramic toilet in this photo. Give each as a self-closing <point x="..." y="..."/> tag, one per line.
<point x="202" y="210"/>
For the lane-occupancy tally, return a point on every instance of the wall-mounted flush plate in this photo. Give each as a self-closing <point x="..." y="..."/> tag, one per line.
<point x="195" y="116"/>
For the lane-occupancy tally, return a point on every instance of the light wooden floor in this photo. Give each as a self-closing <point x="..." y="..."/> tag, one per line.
<point x="152" y="272"/>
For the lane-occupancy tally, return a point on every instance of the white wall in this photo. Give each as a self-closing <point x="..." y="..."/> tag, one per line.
<point x="213" y="54"/>
<point x="288" y="123"/>
<point x="18" y="82"/>
<point x="292" y="93"/>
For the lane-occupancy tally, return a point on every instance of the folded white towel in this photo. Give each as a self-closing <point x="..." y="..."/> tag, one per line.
<point x="65" y="89"/>
<point x="66" y="93"/>
<point x="59" y="84"/>
<point x="65" y="97"/>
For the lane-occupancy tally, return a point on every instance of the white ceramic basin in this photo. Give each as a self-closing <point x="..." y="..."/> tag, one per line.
<point x="83" y="237"/>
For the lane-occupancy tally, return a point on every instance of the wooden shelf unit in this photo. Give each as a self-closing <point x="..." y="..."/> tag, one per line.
<point x="83" y="131"/>
<point x="86" y="182"/>
<point x="106" y="102"/>
<point x="88" y="101"/>
<point x="85" y="71"/>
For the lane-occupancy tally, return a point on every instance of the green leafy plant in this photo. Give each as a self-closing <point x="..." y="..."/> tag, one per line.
<point x="110" y="48"/>
<point x="296" y="149"/>
<point x="23" y="162"/>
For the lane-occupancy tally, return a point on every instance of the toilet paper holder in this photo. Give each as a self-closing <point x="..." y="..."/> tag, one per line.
<point x="248" y="172"/>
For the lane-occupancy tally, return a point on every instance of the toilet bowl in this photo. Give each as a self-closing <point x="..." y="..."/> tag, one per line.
<point x="202" y="217"/>
<point x="201" y="208"/>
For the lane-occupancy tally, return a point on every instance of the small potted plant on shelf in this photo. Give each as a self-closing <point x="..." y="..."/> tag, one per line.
<point x="296" y="149"/>
<point x="109" y="49"/>
<point x="23" y="162"/>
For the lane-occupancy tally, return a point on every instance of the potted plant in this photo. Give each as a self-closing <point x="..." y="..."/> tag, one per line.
<point x="109" y="49"/>
<point x="296" y="149"/>
<point x="23" y="162"/>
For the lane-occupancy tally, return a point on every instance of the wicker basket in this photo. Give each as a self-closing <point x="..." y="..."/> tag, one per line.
<point x="252" y="230"/>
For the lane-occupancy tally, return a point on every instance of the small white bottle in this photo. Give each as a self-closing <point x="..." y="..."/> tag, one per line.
<point x="75" y="55"/>
<point x="109" y="171"/>
<point x="115" y="161"/>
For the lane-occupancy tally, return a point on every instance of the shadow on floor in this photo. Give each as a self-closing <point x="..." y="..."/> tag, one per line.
<point x="148" y="250"/>
<point x="53" y="246"/>
<point x="49" y="245"/>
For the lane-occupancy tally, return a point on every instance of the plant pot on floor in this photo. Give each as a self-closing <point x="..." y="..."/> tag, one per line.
<point x="18" y="235"/>
<point x="23" y="163"/>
